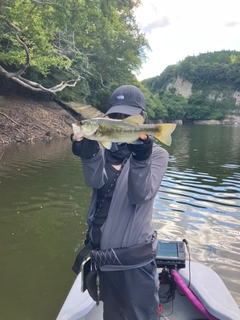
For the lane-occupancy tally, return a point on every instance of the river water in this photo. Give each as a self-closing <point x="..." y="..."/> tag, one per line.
<point x="43" y="211"/>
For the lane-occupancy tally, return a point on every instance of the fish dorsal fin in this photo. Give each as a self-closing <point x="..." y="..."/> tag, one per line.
<point x="106" y="144"/>
<point x="138" y="119"/>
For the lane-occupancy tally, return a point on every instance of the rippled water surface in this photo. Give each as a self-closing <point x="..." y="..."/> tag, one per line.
<point x="44" y="202"/>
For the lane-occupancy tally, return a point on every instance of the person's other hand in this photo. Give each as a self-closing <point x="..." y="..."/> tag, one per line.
<point x="143" y="150"/>
<point x="84" y="148"/>
<point x="77" y="137"/>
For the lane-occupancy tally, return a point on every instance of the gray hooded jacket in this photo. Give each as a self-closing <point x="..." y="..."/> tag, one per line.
<point x="129" y="220"/>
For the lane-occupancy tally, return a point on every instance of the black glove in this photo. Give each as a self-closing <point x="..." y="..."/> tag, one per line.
<point x="85" y="148"/>
<point x="143" y="150"/>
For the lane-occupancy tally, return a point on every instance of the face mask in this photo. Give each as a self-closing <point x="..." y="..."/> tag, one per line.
<point x="117" y="146"/>
<point x="117" y="153"/>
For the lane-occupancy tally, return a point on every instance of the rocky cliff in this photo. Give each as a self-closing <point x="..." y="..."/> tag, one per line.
<point x="184" y="88"/>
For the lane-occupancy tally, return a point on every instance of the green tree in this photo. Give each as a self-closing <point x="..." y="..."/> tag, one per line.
<point x="155" y="108"/>
<point x="159" y="83"/>
<point x="97" y="42"/>
<point x="197" y="112"/>
<point x="175" y="105"/>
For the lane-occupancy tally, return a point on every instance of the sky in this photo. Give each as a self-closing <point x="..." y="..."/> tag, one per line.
<point x="176" y="29"/>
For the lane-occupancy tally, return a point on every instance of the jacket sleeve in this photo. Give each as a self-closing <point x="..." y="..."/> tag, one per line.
<point x="145" y="176"/>
<point x="94" y="170"/>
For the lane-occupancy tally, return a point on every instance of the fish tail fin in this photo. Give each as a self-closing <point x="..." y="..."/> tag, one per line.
<point x="164" y="132"/>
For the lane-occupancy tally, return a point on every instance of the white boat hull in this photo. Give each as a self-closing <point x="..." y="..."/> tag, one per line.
<point x="205" y="284"/>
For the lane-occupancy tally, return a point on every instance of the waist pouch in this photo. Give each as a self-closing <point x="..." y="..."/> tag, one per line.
<point x="133" y="255"/>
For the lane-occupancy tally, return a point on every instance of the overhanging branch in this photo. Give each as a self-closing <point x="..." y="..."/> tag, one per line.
<point x="34" y="86"/>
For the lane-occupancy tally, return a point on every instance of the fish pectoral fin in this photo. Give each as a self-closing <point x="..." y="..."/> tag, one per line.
<point x="138" y="119"/>
<point x="164" y="132"/>
<point x="106" y="144"/>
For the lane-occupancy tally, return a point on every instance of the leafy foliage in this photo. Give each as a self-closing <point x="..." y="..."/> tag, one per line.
<point x="37" y="31"/>
<point x="175" y="105"/>
<point x="155" y="108"/>
<point x="98" y="40"/>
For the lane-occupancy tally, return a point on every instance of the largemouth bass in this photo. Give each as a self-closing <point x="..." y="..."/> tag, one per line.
<point x="128" y="130"/>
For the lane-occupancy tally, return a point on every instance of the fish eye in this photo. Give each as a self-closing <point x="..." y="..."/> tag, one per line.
<point x="81" y="123"/>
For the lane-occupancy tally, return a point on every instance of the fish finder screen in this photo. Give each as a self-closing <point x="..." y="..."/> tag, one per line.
<point x="167" y="250"/>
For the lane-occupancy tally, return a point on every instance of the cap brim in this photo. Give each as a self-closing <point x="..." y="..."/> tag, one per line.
<point x="129" y="110"/>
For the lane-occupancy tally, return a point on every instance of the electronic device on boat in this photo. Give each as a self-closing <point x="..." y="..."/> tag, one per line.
<point x="171" y="254"/>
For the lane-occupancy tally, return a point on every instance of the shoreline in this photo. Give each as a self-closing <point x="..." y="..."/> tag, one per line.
<point x="25" y="119"/>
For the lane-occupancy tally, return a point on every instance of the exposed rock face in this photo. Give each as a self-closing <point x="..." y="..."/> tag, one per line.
<point x="232" y="118"/>
<point x="206" y="122"/>
<point x="236" y="95"/>
<point x="183" y="87"/>
<point x="215" y="95"/>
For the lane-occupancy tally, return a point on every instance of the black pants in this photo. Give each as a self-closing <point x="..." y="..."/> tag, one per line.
<point x="130" y="294"/>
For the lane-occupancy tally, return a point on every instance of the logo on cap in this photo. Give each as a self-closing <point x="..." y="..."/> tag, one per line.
<point x="121" y="97"/>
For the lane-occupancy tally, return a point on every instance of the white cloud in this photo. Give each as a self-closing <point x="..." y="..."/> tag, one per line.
<point x="177" y="29"/>
<point x="161" y="23"/>
<point x="232" y="23"/>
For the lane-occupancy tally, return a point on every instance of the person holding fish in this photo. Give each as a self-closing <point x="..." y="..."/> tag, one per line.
<point x="124" y="167"/>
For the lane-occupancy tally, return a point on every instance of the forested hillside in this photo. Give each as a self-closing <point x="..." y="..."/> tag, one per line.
<point x="213" y="83"/>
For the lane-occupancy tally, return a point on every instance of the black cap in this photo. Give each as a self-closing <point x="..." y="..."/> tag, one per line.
<point x="128" y="100"/>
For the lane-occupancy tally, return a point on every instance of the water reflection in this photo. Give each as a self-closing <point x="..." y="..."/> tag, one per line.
<point x="43" y="211"/>
<point x="44" y="202"/>
<point x="200" y="198"/>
